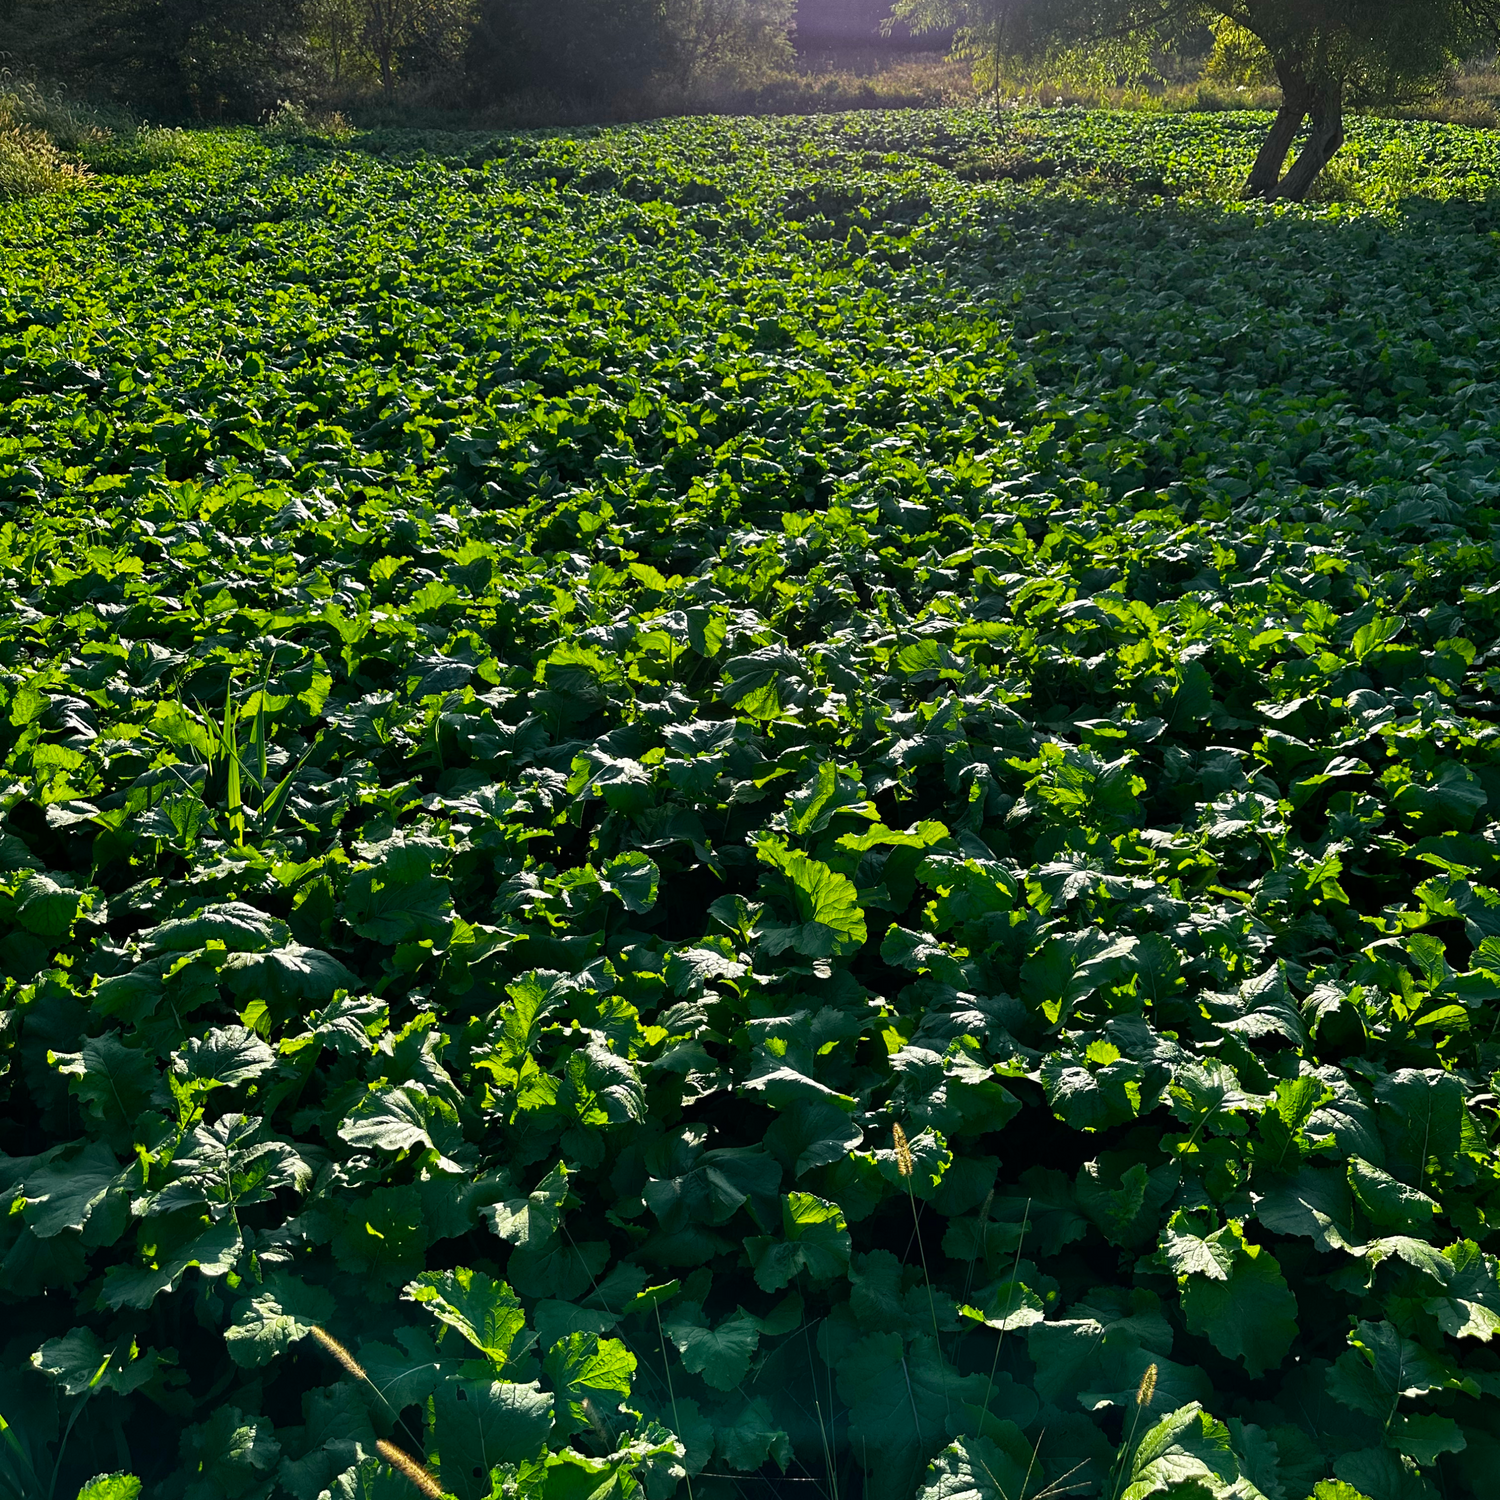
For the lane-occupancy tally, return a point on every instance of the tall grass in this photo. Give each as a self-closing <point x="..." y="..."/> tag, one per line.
<point x="32" y="161"/>
<point x="31" y="165"/>
<point x="139" y="149"/>
<point x="1188" y="84"/>
<point x="50" y="142"/>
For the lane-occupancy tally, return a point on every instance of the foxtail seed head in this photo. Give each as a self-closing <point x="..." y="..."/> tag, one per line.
<point x="406" y="1466"/>
<point x="904" y="1161"/>
<point x="339" y="1352"/>
<point x="1147" y="1388"/>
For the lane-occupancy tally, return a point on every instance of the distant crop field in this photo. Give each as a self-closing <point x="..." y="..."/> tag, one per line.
<point x="753" y="807"/>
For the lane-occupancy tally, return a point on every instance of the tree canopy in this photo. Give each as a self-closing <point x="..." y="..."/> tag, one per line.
<point x="1327" y="55"/>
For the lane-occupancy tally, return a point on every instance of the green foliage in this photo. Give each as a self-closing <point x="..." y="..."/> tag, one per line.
<point x="1238" y="57"/>
<point x="139" y="149"/>
<point x="292" y="123"/>
<point x="557" y="689"/>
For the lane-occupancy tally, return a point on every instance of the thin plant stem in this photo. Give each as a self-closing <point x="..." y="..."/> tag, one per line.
<point x="905" y="1165"/>
<point x="353" y="1366"/>
<point x="833" y="1480"/>
<point x="979" y="1240"/>
<point x="1015" y="1267"/>
<point x="1144" y="1392"/>
<point x="666" y="1365"/>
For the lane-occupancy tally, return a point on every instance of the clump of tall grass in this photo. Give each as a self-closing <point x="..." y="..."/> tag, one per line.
<point x="49" y="142"/>
<point x="31" y="165"/>
<point x="294" y="124"/>
<point x="31" y="160"/>
<point x="69" y="125"/>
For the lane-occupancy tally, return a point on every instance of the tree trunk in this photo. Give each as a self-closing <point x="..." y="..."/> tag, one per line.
<point x="1265" y="175"/>
<point x="382" y="41"/>
<point x="1297" y="97"/>
<point x="1321" y="146"/>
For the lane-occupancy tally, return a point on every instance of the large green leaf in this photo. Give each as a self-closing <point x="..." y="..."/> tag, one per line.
<point x="398" y="897"/>
<point x="118" y="1486"/>
<point x="591" y="1377"/>
<point x="481" y="1424"/>
<point x="1381" y="1367"/>
<point x="1186" y="1450"/>
<point x="486" y="1312"/>
<point x="81" y="1364"/>
<point x="977" y="1468"/>
<point x="275" y="1318"/>
<point x="533" y="1219"/>
<point x="231" y="1454"/>
<point x="112" y="1080"/>
<point x="1234" y="1294"/>
<point x="815" y="1240"/>
<point x="722" y="1354"/>
<point x="822" y="918"/>
<point x="62" y="1194"/>
<point x="400" y="1119"/>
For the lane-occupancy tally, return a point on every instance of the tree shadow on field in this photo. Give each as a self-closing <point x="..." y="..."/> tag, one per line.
<point x="1384" y="314"/>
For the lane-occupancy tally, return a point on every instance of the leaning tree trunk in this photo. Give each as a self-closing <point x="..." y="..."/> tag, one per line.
<point x="1265" y="175"/>
<point x="1323" y="142"/>
<point x="1297" y="96"/>
<point x="1306" y="89"/>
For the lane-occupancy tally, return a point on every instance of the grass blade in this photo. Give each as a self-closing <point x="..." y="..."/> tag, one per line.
<point x="271" y="810"/>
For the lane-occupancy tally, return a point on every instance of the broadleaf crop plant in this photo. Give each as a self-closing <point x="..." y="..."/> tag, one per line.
<point x="752" y="807"/>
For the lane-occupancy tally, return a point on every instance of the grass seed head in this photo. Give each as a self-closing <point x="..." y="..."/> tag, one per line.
<point x="405" y="1465"/>
<point x="1147" y="1388"/>
<point x="339" y="1352"/>
<point x="904" y="1162"/>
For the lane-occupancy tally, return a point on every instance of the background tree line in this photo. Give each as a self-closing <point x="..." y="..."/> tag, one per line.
<point x="234" y="59"/>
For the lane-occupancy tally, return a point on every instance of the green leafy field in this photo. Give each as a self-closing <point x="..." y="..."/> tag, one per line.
<point x="557" y="690"/>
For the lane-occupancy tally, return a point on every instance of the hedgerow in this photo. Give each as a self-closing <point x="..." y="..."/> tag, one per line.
<point x="802" y="799"/>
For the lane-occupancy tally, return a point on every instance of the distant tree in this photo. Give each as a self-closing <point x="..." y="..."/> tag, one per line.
<point x="594" y="50"/>
<point x="626" y="53"/>
<point x="716" y="42"/>
<point x="1327" y="55"/>
<point x="175" y="58"/>
<point x="335" y="32"/>
<point x="400" y="33"/>
<point x="46" y="37"/>
<point x="844" y="23"/>
<point x="232" y="59"/>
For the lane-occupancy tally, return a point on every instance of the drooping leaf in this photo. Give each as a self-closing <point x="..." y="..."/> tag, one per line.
<point x="486" y="1312"/>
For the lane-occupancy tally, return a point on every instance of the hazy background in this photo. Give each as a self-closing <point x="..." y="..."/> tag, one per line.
<point x="494" y="60"/>
<point x="320" y="65"/>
